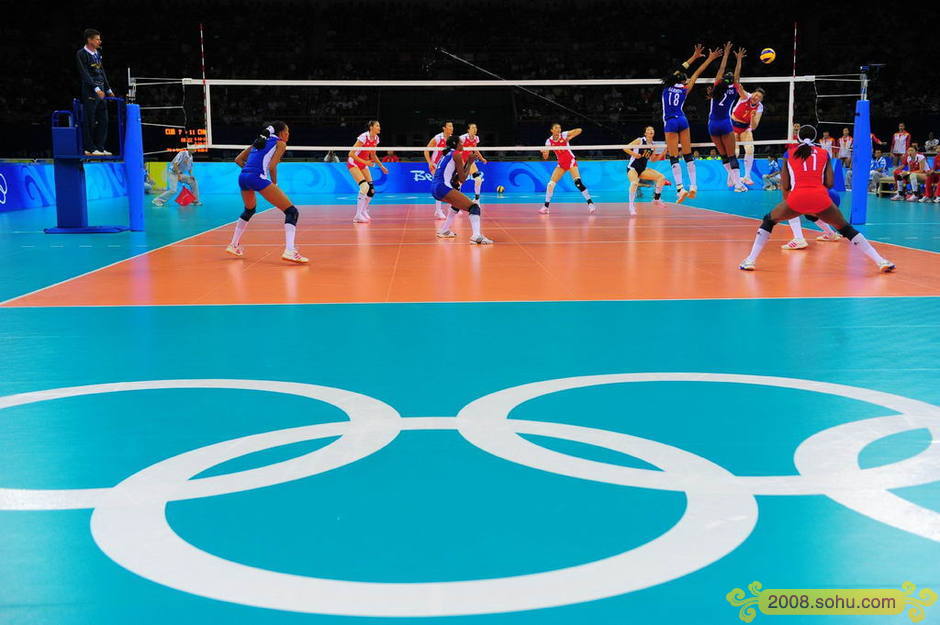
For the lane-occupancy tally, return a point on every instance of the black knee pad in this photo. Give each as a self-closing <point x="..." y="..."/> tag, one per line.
<point x="734" y="162"/>
<point x="371" y="191"/>
<point x="848" y="231"/>
<point x="724" y="159"/>
<point x="812" y="218"/>
<point x="247" y="214"/>
<point x="476" y="174"/>
<point x="474" y="209"/>
<point x="290" y="215"/>
<point x="363" y="182"/>
<point x="768" y="223"/>
<point x="674" y="160"/>
<point x="688" y="158"/>
<point x="579" y="184"/>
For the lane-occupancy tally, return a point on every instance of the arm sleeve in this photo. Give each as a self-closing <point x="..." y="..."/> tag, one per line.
<point x="81" y="60"/>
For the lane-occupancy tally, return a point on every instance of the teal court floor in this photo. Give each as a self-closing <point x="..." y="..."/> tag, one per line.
<point x="550" y="462"/>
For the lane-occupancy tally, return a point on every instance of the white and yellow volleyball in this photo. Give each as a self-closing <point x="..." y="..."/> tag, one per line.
<point x="500" y="189"/>
<point x="767" y="55"/>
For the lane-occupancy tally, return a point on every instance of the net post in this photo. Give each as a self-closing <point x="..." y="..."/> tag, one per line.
<point x="134" y="167"/>
<point x="861" y="159"/>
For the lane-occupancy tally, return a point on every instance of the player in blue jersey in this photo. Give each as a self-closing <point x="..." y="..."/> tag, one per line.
<point x="723" y="95"/>
<point x="259" y="174"/>
<point x="676" y="86"/>
<point x="451" y="172"/>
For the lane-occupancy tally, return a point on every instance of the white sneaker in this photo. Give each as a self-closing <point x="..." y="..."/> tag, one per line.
<point x="925" y="199"/>
<point x="830" y="237"/>
<point x="682" y="195"/>
<point x="910" y="198"/>
<point x="158" y="202"/>
<point x="439" y="214"/>
<point x="359" y="219"/>
<point x="543" y="210"/>
<point x="592" y="208"/>
<point x="197" y="203"/>
<point x="746" y="265"/>
<point x="693" y="191"/>
<point x="447" y="234"/>
<point x="747" y="181"/>
<point x="936" y="200"/>
<point x="795" y="244"/>
<point x="294" y="256"/>
<point x="886" y="266"/>
<point x="106" y="153"/>
<point x="481" y="240"/>
<point x="98" y="153"/>
<point x="740" y="189"/>
<point x="235" y="250"/>
<point x="896" y="197"/>
<point x="631" y="210"/>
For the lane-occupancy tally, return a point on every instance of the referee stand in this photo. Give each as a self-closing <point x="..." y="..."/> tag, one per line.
<point x="69" y="161"/>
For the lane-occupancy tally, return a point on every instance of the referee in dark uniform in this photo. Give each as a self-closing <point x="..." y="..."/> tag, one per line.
<point x="94" y="89"/>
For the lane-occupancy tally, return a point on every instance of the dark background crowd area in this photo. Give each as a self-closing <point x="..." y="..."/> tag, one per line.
<point x="399" y="39"/>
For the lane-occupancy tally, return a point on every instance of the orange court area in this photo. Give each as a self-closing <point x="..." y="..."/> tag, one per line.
<point x="666" y="252"/>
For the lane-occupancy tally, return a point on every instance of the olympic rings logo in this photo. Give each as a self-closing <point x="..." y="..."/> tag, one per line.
<point x="3" y="189"/>
<point x="129" y="522"/>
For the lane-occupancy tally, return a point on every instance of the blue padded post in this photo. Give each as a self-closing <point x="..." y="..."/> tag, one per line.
<point x="134" y="166"/>
<point x="861" y="161"/>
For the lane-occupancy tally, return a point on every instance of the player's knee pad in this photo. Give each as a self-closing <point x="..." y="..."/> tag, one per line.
<point x="474" y="209"/>
<point x="247" y="214"/>
<point x="550" y="185"/>
<point x="674" y="160"/>
<point x="476" y="174"/>
<point x="848" y="231"/>
<point x="579" y="184"/>
<point x="371" y="191"/>
<point x="688" y="158"/>
<point x="291" y="214"/>
<point x="768" y="223"/>
<point x="735" y="164"/>
<point x="725" y="159"/>
<point x="748" y="150"/>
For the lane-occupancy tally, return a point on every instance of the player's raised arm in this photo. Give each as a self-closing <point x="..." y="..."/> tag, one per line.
<point x="724" y="64"/>
<point x="574" y="132"/>
<point x="712" y="55"/>
<point x="740" y="54"/>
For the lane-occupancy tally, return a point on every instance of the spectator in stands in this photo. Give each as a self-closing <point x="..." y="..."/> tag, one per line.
<point x="772" y="177"/>
<point x="930" y="145"/>
<point x="913" y="170"/>
<point x="932" y="183"/>
<point x="390" y="157"/>
<point x="880" y="166"/>
<point x="875" y="140"/>
<point x="900" y="142"/>
<point x="95" y="88"/>
<point x="713" y="155"/>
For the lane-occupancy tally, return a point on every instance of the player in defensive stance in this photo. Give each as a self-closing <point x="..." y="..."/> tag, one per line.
<point x="470" y="140"/>
<point x="566" y="163"/>
<point x="358" y="163"/>
<point x="806" y="181"/>
<point x="451" y="172"/>
<point x="259" y="174"/>
<point x="438" y="142"/>
<point x="637" y="169"/>
<point x="676" y="87"/>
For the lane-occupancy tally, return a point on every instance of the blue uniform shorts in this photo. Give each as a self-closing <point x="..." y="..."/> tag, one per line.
<point x="677" y="124"/>
<point x="439" y="190"/>
<point x="252" y="182"/>
<point x="720" y="127"/>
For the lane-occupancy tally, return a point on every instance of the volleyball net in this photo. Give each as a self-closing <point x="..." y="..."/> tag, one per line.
<point x="513" y="116"/>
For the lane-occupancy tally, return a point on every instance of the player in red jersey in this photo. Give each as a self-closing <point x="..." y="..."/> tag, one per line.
<point x="566" y="163"/>
<point x="470" y="140"/>
<point x="438" y="142"/>
<point x="745" y="117"/>
<point x="805" y="182"/>
<point x="358" y="163"/>
<point x="932" y="182"/>
<point x="913" y="169"/>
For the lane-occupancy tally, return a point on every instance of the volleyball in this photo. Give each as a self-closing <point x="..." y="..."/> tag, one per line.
<point x="767" y="55"/>
<point x="500" y="189"/>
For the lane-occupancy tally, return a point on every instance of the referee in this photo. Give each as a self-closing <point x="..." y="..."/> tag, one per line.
<point x="94" y="89"/>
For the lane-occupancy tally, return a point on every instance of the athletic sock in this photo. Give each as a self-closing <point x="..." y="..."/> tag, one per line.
<point x="360" y="204"/>
<point x="692" y="177"/>
<point x="862" y="243"/>
<point x="477" y="186"/>
<point x="797" y="227"/>
<point x="438" y="206"/>
<point x="475" y="224"/>
<point x="633" y="188"/>
<point x="677" y="175"/>
<point x="290" y="231"/>
<point x="549" y="190"/>
<point x="825" y="227"/>
<point x="240" y="226"/>
<point x="451" y="215"/>
<point x="759" y="242"/>
<point x="748" y="164"/>
<point x="587" y="195"/>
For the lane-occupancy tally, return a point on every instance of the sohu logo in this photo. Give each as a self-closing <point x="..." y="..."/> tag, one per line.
<point x="420" y="174"/>
<point x="129" y="522"/>
<point x="3" y="189"/>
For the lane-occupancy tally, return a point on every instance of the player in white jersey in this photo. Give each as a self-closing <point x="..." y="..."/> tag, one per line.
<point x="470" y="140"/>
<point x="181" y="170"/>
<point x="438" y="142"/>
<point x="846" y="143"/>
<point x="358" y="163"/>
<point x="637" y="168"/>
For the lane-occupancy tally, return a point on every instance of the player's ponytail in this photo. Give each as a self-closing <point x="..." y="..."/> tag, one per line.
<point x="267" y="132"/>
<point x="806" y="136"/>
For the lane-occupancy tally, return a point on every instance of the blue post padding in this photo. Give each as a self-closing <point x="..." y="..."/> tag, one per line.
<point x="838" y="175"/>
<point x="861" y="161"/>
<point x="134" y="167"/>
